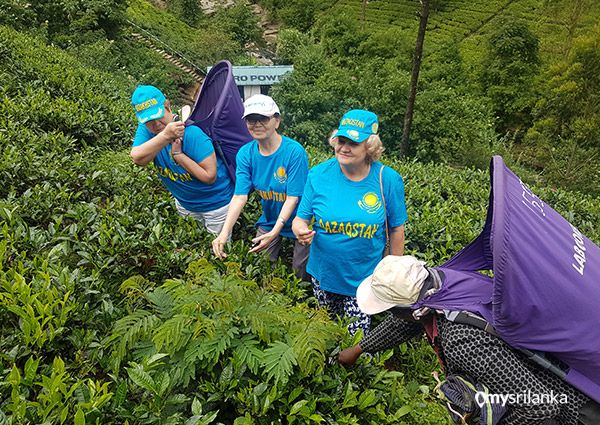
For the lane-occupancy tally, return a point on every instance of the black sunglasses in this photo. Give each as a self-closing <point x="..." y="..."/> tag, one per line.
<point x="345" y="141"/>
<point x="255" y="119"/>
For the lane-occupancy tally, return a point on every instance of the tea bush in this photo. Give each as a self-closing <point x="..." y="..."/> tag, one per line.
<point x="114" y="311"/>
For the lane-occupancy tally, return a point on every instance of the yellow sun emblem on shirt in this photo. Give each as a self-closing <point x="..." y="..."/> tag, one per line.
<point x="370" y="202"/>
<point x="280" y="175"/>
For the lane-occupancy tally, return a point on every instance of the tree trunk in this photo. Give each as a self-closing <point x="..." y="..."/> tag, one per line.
<point x="414" y="77"/>
<point x="364" y="13"/>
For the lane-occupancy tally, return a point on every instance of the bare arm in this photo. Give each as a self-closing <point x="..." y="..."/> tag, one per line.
<point x="235" y="209"/>
<point x="143" y="154"/>
<point x="397" y="240"/>
<point x="287" y="210"/>
<point x="205" y="170"/>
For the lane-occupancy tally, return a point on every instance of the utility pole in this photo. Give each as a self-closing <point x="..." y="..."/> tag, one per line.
<point x="414" y="77"/>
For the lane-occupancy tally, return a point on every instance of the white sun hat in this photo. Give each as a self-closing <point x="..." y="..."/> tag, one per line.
<point x="396" y="281"/>
<point x="259" y="104"/>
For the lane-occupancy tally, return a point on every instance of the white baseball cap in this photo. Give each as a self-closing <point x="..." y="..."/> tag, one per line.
<point x="396" y="281"/>
<point x="260" y="104"/>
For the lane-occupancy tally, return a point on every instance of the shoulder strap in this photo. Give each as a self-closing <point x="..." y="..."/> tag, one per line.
<point x="387" y="232"/>
<point x="466" y="318"/>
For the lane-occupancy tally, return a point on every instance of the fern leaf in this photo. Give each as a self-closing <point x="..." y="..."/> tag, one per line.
<point x="196" y="351"/>
<point x="162" y="301"/>
<point x="279" y="361"/>
<point x="246" y="352"/>
<point x="134" y="287"/>
<point x="266" y="321"/>
<point x="142" y="378"/>
<point x="129" y="330"/>
<point x="310" y="352"/>
<point x="173" y="334"/>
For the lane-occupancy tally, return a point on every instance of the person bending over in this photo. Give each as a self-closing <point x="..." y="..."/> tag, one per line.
<point x="468" y="353"/>
<point x="184" y="159"/>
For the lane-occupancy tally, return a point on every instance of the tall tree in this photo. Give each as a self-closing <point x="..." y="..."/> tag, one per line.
<point x="414" y="76"/>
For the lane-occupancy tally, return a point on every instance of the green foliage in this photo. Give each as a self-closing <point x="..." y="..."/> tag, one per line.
<point x="128" y="59"/>
<point x="41" y="308"/>
<point x="298" y="14"/>
<point x="67" y="22"/>
<point x="59" y="396"/>
<point x="16" y="13"/>
<point x="289" y="44"/>
<point x="238" y="21"/>
<point x="340" y="35"/>
<point x="508" y="69"/>
<point x="87" y="335"/>
<point x="302" y="14"/>
<point x="29" y="64"/>
<point x="252" y="351"/>
<point x="203" y="46"/>
<point x="564" y="140"/>
<point x="569" y="106"/>
<point x="453" y="127"/>
<point x="188" y="11"/>
<point x="388" y="44"/>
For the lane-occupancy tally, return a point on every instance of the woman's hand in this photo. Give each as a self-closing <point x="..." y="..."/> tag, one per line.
<point x="176" y="149"/>
<point x="349" y="356"/>
<point x="305" y="236"/>
<point x="218" y="245"/>
<point x="174" y="130"/>
<point x="263" y="241"/>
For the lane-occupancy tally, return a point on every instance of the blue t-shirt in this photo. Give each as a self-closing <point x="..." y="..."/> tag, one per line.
<point x="274" y="177"/>
<point x="349" y="223"/>
<point x="191" y="193"/>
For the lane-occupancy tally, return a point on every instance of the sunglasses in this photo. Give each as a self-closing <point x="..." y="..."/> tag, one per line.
<point x="257" y="119"/>
<point x="344" y="141"/>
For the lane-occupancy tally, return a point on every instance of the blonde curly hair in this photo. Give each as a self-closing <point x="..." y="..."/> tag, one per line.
<point x="374" y="146"/>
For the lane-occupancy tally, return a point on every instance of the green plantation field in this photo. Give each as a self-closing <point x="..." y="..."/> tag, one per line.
<point x="114" y="311"/>
<point x="470" y="22"/>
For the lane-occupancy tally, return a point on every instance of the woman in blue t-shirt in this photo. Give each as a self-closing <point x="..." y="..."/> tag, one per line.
<point x="343" y="197"/>
<point x="183" y="157"/>
<point x="275" y="167"/>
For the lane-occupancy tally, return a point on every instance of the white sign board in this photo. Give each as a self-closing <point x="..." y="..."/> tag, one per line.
<point x="259" y="75"/>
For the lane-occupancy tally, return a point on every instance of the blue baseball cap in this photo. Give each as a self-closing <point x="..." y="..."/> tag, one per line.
<point x="149" y="103"/>
<point x="358" y="125"/>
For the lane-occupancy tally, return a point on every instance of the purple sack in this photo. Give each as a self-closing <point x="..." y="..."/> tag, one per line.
<point x="218" y="111"/>
<point x="546" y="283"/>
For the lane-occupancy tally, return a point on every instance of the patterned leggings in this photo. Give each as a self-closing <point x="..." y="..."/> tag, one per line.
<point x="342" y="306"/>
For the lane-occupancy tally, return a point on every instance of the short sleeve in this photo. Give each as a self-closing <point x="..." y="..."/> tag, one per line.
<point x="297" y="172"/>
<point x="142" y="135"/>
<point x="394" y="194"/>
<point x="196" y="144"/>
<point x="305" y="209"/>
<point x="243" y="171"/>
